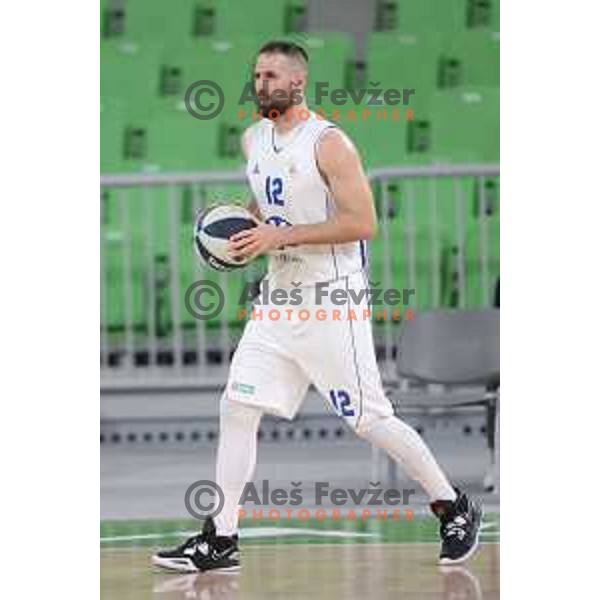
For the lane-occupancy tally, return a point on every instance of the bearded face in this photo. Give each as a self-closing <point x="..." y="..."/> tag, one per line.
<point x="276" y="84"/>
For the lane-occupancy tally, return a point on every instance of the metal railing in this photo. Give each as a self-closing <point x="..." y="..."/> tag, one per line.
<point x="438" y="234"/>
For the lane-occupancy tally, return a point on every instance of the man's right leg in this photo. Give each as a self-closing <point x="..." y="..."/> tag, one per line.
<point x="216" y="547"/>
<point x="263" y="378"/>
<point x="236" y="458"/>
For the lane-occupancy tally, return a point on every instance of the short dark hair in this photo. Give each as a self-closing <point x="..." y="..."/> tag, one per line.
<point x="289" y="49"/>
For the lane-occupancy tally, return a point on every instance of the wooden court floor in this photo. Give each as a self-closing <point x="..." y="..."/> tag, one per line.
<point x="310" y="572"/>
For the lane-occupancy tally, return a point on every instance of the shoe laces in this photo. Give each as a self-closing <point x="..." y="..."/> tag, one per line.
<point x="192" y="541"/>
<point x="456" y="527"/>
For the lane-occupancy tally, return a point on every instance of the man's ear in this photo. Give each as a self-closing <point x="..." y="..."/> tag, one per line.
<point x="300" y="81"/>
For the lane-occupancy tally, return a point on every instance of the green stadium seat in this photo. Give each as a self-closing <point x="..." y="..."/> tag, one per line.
<point x="271" y="17"/>
<point x="145" y="125"/>
<point x="330" y="55"/>
<point x="380" y="142"/>
<point x="430" y="62"/>
<point x="418" y="16"/>
<point x="183" y="19"/>
<point x="178" y="142"/>
<point x="229" y="62"/>
<point x="400" y="61"/>
<point x="129" y="73"/>
<point x="411" y="66"/>
<point x="112" y="19"/>
<point x="111" y="141"/>
<point x="159" y="20"/>
<point x="123" y="144"/>
<point x="466" y="125"/>
<point x="470" y="59"/>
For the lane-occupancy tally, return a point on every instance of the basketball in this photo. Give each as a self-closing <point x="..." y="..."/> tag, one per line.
<point x="212" y="230"/>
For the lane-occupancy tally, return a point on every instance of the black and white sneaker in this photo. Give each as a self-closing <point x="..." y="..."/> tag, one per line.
<point x="460" y="522"/>
<point x="203" y="552"/>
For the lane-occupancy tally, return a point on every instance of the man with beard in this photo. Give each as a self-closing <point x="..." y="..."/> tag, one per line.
<point x="316" y="209"/>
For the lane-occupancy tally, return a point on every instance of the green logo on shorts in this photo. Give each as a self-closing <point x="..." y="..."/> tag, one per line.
<point x="243" y="388"/>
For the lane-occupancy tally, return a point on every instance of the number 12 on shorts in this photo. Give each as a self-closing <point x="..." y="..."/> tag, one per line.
<point x="341" y="402"/>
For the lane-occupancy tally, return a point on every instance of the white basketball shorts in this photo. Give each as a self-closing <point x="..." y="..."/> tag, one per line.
<point x="319" y="341"/>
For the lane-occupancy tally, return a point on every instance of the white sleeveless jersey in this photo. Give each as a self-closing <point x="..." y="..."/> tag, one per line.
<point x="289" y="190"/>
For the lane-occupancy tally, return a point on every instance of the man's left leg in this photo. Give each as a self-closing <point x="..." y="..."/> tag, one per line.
<point x="460" y="516"/>
<point x="349" y="378"/>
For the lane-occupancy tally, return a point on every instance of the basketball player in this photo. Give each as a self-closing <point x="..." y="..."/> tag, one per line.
<point x="316" y="207"/>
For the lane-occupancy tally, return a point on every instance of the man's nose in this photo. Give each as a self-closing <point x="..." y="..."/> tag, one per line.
<point x="263" y="87"/>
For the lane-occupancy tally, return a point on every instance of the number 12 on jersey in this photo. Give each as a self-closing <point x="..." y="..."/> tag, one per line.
<point x="274" y="189"/>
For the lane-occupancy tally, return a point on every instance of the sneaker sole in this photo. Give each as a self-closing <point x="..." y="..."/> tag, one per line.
<point x="174" y="565"/>
<point x="179" y="567"/>
<point x="457" y="561"/>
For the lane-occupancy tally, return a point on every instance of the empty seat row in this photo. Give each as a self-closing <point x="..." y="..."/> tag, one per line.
<point x="416" y="16"/>
<point x="460" y="126"/>
<point x="145" y="123"/>
<point x="179" y="20"/>
<point x="140" y="20"/>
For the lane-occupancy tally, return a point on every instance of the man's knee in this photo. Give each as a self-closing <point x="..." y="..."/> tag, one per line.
<point x="366" y="425"/>
<point x="233" y="411"/>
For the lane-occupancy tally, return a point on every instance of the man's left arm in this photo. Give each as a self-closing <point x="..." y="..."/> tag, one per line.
<point x="354" y="215"/>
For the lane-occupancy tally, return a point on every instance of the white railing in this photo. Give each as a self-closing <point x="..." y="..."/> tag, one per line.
<point x="439" y="235"/>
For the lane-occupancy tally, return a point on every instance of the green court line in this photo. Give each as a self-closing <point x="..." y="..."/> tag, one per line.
<point x="157" y="532"/>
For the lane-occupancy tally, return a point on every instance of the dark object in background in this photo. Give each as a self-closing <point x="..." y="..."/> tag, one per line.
<point x="113" y="22"/>
<point x="229" y="141"/>
<point x="419" y="136"/>
<point x="492" y="415"/>
<point x="355" y="77"/>
<point x="450" y="72"/>
<point x="162" y="304"/>
<point x="295" y="18"/>
<point x="491" y="198"/>
<point x="479" y="13"/>
<point x="386" y="16"/>
<point x="204" y="21"/>
<point x="135" y="143"/>
<point x="437" y="348"/>
<point x="170" y="81"/>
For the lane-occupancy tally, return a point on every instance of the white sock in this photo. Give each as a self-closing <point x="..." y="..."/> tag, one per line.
<point x="236" y="458"/>
<point x="407" y="448"/>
